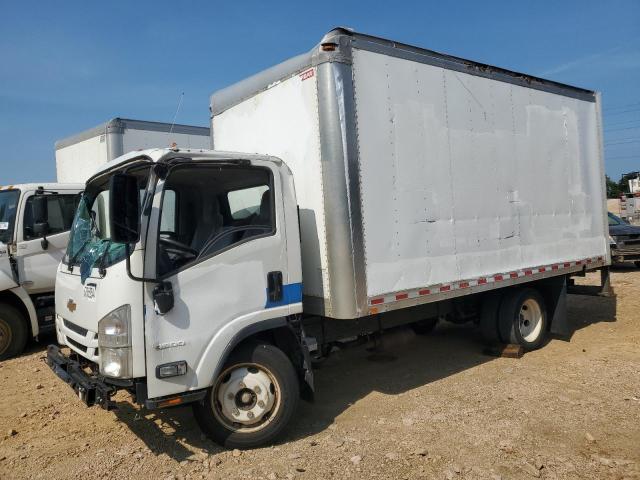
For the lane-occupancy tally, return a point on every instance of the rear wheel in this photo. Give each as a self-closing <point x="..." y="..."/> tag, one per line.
<point x="252" y="400"/>
<point x="14" y="332"/>
<point x="523" y="318"/>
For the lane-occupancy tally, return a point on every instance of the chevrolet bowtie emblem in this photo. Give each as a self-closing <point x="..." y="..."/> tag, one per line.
<point x="71" y="305"/>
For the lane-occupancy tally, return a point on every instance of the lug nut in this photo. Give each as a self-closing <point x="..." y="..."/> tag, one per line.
<point x="250" y="414"/>
<point x="241" y="385"/>
<point x="257" y="389"/>
<point x="230" y="396"/>
<point x="261" y="404"/>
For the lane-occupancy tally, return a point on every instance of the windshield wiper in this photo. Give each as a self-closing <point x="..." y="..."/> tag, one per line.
<point x="72" y="260"/>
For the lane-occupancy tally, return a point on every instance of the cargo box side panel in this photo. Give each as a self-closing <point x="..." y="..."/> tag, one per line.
<point x="135" y="139"/>
<point x="464" y="176"/>
<point x="283" y="121"/>
<point x="76" y="163"/>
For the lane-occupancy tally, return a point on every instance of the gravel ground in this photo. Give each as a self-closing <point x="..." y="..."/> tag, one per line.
<point x="430" y="407"/>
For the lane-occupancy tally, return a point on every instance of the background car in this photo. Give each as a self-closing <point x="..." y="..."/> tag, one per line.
<point x="625" y="241"/>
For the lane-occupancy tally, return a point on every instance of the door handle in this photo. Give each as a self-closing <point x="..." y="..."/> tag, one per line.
<point x="274" y="286"/>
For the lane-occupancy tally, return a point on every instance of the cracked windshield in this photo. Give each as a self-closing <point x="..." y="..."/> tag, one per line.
<point x="90" y="244"/>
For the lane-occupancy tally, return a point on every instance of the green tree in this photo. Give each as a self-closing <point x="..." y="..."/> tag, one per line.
<point x="613" y="188"/>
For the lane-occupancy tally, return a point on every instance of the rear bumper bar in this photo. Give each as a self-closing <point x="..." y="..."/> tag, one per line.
<point x="91" y="389"/>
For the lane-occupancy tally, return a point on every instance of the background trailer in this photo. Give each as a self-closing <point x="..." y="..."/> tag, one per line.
<point x="79" y="156"/>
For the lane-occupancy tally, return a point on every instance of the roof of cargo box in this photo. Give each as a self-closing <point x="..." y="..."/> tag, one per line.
<point x="119" y="125"/>
<point x="335" y="46"/>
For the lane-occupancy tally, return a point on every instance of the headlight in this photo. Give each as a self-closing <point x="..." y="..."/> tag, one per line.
<point x="114" y="328"/>
<point x="114" y="342"/>
<point x="115" y="362"/>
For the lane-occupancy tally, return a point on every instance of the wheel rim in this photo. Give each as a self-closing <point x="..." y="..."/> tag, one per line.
<point x="5" y="336"/>
<point x="246" y="398"/>
<point x="530" y="320"/>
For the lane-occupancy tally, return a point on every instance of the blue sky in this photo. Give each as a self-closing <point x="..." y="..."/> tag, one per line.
<point x="68" y="66"/>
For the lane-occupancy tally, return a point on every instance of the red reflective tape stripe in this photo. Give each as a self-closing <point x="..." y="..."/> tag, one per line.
<point x="445" y="288"/>
<point x="377" y="301"/>
<point x="498" y="278"/>
<point x="567" y="264"/>
<point x="578" y="262"/>
<point x="426" y="291"/>
<point x="463" y="284"/>
<point x="482" y="281"/>
<point x="542" y="269"/>
<point x="513" y="275"/>
<point x="528" y="272"/>
<point x="554" y="267"/>
<point x="589" y="260"/>
<point x="402" y="296"/>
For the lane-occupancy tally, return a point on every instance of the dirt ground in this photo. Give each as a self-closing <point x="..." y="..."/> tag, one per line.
<point x="430" y="407"/>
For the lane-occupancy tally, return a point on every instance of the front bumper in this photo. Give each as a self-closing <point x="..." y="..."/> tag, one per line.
<point x="90" y="388"/>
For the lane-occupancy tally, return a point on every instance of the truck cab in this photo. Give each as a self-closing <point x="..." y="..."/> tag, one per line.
<point x="34" y="229"/>
<point x="180" y="264"/>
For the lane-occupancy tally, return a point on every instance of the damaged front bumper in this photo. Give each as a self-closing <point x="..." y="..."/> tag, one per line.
<point x="90" y="388"/>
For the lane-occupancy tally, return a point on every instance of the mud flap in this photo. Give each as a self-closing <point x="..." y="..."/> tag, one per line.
<point x="554" y="291"/>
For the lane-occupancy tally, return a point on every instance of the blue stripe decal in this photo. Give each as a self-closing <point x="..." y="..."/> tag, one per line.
<point x="291" y="293"/>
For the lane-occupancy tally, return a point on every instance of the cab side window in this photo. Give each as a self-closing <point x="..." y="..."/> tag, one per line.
<point x="207" y="209"/>
<point x="61" y="210"/>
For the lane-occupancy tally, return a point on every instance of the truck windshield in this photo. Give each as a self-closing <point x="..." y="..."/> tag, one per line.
<point x="90" y="244"/>
<point x="8" y="206"/>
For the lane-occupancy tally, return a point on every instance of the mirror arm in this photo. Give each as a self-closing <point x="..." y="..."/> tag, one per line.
<point x="44" y="243"/>
<point x="131" y="275"/>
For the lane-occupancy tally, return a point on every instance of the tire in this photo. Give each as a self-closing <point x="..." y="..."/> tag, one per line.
<point x="259" y="386"/>
<point x="489" y="312"/>
<point x="424" y="327"/>
<point x="14" y="332"/>
<point x="522" y="318"/>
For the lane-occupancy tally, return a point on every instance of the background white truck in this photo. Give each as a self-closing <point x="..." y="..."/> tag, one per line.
<point x="34" y="229"/>
<point x="392" y="185"/>
<point x="630" y="202"/>
<point x="27" y="265"/>
<point x="80" y="155"/>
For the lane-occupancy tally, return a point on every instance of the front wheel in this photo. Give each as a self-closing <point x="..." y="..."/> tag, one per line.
<point x="14" y="332"/>
<point x="252" y="400"/>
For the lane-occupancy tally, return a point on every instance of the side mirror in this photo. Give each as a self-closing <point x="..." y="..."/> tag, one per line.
<point x="40" y="209"/>
<point x="124" y="208"/>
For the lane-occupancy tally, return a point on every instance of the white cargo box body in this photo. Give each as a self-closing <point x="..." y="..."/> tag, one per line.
<point x="79" y="156"/>
<point x="421" y="176"/>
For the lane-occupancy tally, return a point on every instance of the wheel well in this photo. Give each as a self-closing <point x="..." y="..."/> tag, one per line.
<point x="286" y="340"/>
<point x="12" y="299"/>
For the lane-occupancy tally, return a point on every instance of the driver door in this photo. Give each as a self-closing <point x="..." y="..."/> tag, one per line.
<point x="225" y="287"/>
<point x="37" y="265"/>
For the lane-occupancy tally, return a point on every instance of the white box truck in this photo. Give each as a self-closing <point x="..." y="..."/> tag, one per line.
<point x="80" y="155"/>
<point x="34" y="229"/>
<point x="384" y="185"/>
<point x="28" y="264"/>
